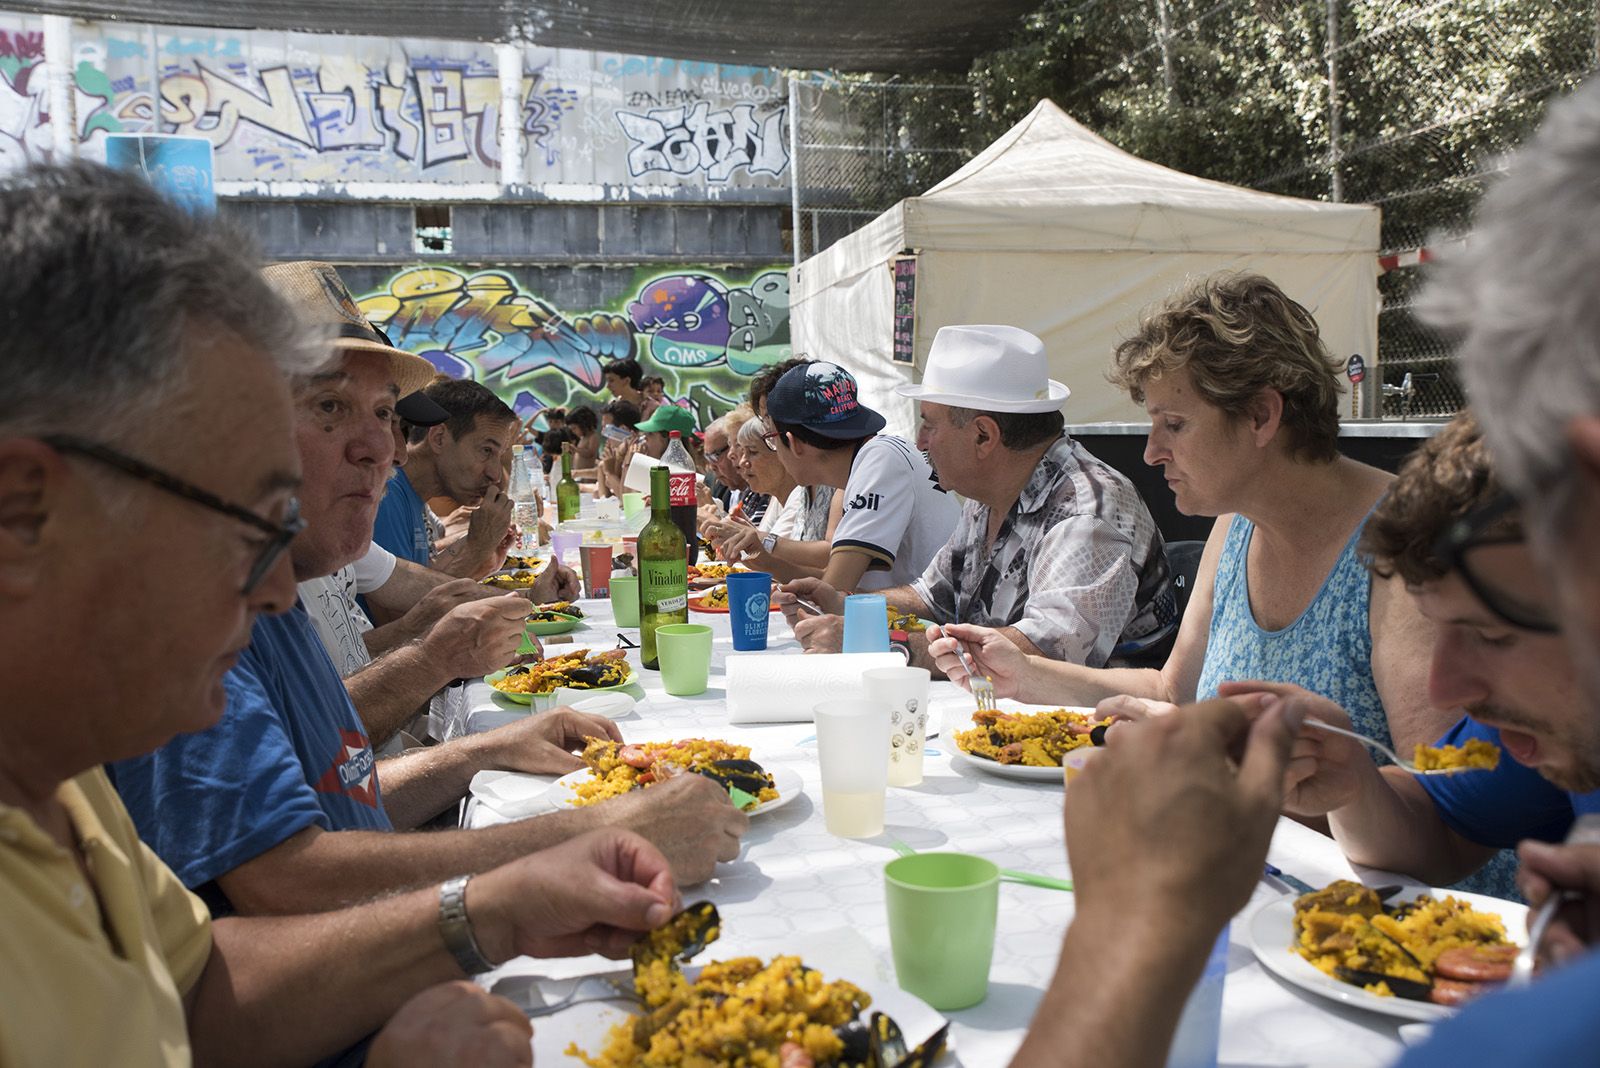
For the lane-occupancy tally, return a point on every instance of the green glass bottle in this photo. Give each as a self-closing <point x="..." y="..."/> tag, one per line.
<point x="663" y="570"/>
<point x="567" y="495"/>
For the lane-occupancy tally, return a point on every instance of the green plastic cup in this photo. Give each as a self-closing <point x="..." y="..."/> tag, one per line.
<point x="625" y="599"/>
<point x="942" y="910"/>
<point x="685" y="650"/>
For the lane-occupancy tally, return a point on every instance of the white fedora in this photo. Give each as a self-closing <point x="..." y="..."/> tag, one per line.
<point x="989" y="368"/>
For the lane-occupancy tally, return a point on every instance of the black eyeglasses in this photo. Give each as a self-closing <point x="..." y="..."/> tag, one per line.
<point x="1496" y="568"/>
<point x="716" y="457"/>
<point x="280" y="535"/>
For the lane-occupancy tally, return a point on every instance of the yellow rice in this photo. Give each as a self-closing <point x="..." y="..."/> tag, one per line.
<point x="613" y="777"/>
<point x="737" y="1012"/>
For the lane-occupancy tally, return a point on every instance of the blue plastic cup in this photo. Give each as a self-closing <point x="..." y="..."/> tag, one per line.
<point x="749" y="602"/>
<point x="866" y="623"/>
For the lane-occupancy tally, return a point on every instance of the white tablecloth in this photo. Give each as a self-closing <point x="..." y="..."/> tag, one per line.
<point x="794" y="879"/>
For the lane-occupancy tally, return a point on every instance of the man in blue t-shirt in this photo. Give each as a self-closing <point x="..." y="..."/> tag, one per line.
<point x="463" y="459"/>
<point x="279" y="807"/>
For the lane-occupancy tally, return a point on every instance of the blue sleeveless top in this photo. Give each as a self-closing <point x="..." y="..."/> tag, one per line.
<point x="1328" y="650"/>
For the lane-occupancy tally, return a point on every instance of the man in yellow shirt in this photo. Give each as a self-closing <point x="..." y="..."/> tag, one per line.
<point x="147" y="480"/>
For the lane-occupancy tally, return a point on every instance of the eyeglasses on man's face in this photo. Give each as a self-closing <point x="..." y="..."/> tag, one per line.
<point x="279" y="535"/>
<point x="715" y="456"/>
<point x="1497" y="568"/>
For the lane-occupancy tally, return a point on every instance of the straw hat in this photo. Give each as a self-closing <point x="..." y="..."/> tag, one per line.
<point x="988" y="369"/>
<point x="319" y="297"/>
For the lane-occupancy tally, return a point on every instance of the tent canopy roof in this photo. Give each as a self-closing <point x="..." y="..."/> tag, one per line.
<point x="844" y="35"/>
<point x="1049" y="184"/>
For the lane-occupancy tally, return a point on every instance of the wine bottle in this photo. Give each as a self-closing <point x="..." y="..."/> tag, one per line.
<point x="663" y="570"/>
<point x="567" y="495"/>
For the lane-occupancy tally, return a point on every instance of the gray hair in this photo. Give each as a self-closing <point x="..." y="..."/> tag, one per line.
<point x="1521" y="297"/>
<point x="104" y="282"/>
<point x="750" y="433"/>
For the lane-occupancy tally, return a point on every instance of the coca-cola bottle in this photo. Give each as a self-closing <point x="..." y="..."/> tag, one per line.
<point x="684" y="505"/>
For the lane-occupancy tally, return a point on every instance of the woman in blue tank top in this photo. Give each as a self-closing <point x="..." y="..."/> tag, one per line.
<point x="1243" y="400"/>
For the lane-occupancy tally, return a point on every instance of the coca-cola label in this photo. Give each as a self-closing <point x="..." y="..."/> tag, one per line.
<point x="681" y="488"/>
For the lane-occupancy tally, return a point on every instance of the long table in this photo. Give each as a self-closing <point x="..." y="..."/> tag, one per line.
<point x="795" y="886"/>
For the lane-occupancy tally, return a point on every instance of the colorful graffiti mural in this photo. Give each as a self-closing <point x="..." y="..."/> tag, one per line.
<point x="26" y="135"/>
<point x="704" y="332"/>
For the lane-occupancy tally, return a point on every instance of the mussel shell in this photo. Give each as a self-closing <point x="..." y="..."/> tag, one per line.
<point x="747" y="775"/>
<point x="681" y="937"/>
<point x="520" y="669"/>
<point x="886" y="1045"/>
<point x="1409" y="989"/>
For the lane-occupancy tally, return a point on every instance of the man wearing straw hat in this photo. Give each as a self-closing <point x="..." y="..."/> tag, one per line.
<point x="282" y="805"/>
<point x="1053" y="546"/>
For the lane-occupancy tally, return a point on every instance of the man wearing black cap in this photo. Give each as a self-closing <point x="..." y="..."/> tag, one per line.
<point x="896" y="517"/>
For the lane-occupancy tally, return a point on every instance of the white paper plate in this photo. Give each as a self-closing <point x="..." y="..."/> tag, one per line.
<point x="1272" y="940"/>
<point x="785" y="780"/>
<point x="588" y="1024"/>
<point x="1020" y="772"/>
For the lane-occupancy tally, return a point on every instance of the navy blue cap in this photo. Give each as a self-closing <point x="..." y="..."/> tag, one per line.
<point x="822" y="398"/>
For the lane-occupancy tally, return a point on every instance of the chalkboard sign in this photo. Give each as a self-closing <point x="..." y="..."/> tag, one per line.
<point x="905" y="309"/>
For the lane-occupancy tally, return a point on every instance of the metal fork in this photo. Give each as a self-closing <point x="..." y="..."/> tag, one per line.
<point x="1373" y="743"/>
<point x="982" y="687"/>
<point x="521" y="989"/>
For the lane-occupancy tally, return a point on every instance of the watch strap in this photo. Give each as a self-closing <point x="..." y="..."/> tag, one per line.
<point x="456" y="928"/>
<point x="769" y="541"/>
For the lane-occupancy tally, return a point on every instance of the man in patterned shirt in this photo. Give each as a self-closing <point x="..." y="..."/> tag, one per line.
<point x="1053" y="546"/>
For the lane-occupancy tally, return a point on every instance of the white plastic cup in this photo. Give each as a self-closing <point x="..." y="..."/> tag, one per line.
<point x="852" y="747"/>
<point x="904" y="692"/>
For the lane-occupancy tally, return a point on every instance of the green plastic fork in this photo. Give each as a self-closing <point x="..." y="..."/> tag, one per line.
<point x="1010" y="875"/>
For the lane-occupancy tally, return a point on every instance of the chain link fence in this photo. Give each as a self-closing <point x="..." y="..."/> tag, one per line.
<point x="862" y="146"/>
<point x="1406" y="104"/>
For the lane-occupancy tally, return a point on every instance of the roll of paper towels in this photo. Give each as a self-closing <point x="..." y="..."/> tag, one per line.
<point x="637" y="477"/>
<point x="778" y="688"/>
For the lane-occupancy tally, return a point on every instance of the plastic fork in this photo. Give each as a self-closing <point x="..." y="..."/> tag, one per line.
<point x="1585" y="829"/>
<point x="520" y="990"/>
<point x="1373" y="743"/>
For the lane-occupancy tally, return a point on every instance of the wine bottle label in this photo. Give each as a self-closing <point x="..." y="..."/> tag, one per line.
<point x="682" y="488"/>
<point x="664" y="584"/>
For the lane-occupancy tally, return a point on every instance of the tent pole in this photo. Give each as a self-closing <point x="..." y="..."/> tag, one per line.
<point x="1335" y="122"/>
<point x="794" y="166"/>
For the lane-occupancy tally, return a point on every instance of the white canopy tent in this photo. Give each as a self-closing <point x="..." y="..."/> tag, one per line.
<point x="1058" y="231"/>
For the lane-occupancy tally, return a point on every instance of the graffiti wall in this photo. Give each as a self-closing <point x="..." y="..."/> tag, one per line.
<point x="315" y="108"/>
<point x="706" y="332"/>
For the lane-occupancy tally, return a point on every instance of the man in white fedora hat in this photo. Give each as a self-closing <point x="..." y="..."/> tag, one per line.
<point x="1053" y="546"/>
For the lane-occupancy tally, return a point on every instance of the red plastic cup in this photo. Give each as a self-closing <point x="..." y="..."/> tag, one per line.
<point x="597" y="570"/>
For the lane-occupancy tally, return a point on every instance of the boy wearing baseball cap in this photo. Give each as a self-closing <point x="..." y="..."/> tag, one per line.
<point x="896" y="516"/>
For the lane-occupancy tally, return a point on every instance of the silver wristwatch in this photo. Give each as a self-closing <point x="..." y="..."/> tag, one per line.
<point x="768" y="541"/>
<point x="456" y="929"/>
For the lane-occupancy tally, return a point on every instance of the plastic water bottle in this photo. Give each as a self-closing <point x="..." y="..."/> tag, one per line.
<point x="525" y="498"/>
<point x="1194" y="1043"/>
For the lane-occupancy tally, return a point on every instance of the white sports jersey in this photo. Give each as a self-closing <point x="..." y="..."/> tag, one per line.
<point x="894" y="512"/>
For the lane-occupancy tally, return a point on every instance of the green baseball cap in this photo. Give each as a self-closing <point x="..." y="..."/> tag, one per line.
<point x="668" y="417"/>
